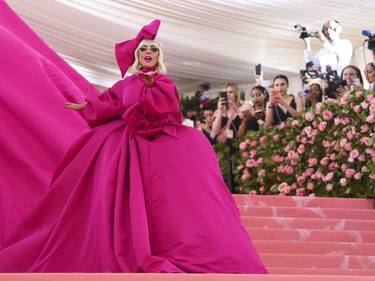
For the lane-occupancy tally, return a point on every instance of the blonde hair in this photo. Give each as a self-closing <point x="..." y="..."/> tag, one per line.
<point x="236" y="91"/>
<point x="135" y="67"/>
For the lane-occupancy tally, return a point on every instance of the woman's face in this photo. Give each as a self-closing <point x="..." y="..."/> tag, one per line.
<point x="315" y="93"/>
<point x="281" y="86"/>
<point x="231" y="94"/>
<point x="348" y="75"/>
<point x="148" y="56"/>
<point x="370" y="73"/>
<point x="257" y="97"/>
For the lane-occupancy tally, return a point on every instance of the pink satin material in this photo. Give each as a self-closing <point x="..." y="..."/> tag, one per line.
<point x="139" y="192"/>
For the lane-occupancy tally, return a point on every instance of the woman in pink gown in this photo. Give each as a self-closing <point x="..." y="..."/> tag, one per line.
<point x="138" y="192"/>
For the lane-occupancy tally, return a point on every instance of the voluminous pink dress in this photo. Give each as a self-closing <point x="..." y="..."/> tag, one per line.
<point x="138" y="192"/>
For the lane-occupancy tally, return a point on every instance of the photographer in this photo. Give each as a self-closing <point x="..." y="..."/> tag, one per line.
<point x="342" y="49"/>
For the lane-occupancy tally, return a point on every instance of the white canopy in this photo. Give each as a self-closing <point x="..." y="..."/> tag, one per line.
<point x="204" y="40"/>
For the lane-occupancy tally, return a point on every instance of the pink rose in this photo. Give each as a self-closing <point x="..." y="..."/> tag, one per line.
<point x="310" y="186"/>
<point x="301" y="179"/>
<point x="349" y="173"/>
<point x="292" y="155"/>
<point x="343" y="142"/>
<point x="253" y="143"/>
<point x="364" y="128"/>
<point x="322" y="126"/>
<point x="246" y="177"/>
<point x="295" y="123"/>
<point x="310" y="172"/>
<point x="364" y="141"/>
<point x="337" y="121"/>
<point x="329" y="176"/>
<point x="300" y="192"/>
<point x="239" y="167"/>
<point x="282" y="186"/>
<point x="243" y="145"/>
<point x="327" y="115"/>
<point x="364" y="105"/>
<point x="282" y="126"/>
<point x="357" y="109"/>
<point x="358" y="176"/>
<point x="354" y="153"/>
<point x="289" y="170"/>
<point x="348" y="146"/>
<point x="276" y="138"/>
<point x="324" y="162"/>
<point x="260" y="160"/>
<point x="329" y="187"/>
<point x="344" y="167"/>
<point x="312" y="161"/>
<point x="359" y="94"/>
<point x="251" y="163"/>
<point x="262" y="172"/>
<point x="371" y="118"/>
<point x="362" y="158"/>
<point x="263" y="139"/>
<point x="309" y="116"/>
<point x="252" y="192"/>
<point x="253" y="153"/>
<point x="372" y="108"/>
<point x="262" y="189"/>
<point x="332" y="157"/>
<point x="343" y="182"/>
<point x="301" y="149"/>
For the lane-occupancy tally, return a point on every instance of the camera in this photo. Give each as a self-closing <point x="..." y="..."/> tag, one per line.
<point x="334" y="81"/>
<point x="370" y="40"/>
<point x="305" y="31"/>
<point x="309" y="73"/>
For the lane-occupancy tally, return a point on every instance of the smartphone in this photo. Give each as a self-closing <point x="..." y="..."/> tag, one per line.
<point x="356" y="82"/>
<point x="258" y="69"/>
<point x="258" y="114"/>
<point x="224" y="95"/>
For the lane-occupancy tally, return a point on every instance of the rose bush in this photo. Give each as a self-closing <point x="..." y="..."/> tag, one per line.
<point x="327" y="152"/>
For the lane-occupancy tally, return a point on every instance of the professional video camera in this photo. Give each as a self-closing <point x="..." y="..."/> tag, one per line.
<point x="305" y="31"/>
<point x="370" y="40"/>
<point x="334" y="81"/>
<point x="309" y="73"/>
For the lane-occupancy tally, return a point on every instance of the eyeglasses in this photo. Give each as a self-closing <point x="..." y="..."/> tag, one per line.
<point x="143" y="49"/>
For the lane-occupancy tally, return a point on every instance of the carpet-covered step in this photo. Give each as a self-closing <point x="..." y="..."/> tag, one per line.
<point x="322" y="271"/>
<point x="318" y="261"/>
<point x="314" y="247"/>
<point x="309" y="223"/>
<point x="175" y="277"/>
<point x="297" y="201"/>
<point x="351" y="236"/>
<point x="330" y="213"/>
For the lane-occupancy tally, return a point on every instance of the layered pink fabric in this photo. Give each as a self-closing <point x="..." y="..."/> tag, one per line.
<point x="139" y="192"/>
<point x="35" y="127"/>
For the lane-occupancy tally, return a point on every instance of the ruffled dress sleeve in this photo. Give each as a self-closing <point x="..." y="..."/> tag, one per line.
<point x="104" y="107"/>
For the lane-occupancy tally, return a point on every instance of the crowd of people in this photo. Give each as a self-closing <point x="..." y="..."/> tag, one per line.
<point x="328" y="74"/>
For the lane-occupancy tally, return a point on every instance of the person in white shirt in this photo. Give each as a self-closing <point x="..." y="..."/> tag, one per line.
<point x="336" y="52"/>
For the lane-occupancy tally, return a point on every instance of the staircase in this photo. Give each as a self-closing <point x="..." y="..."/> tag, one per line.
<point x="298" y="239"/>
<point x="312" y="236"/>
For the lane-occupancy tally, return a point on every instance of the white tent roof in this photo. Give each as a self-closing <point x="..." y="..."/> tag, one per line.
<point x="204" y="40"/>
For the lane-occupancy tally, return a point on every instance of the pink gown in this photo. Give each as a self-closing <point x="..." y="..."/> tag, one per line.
<point x="139" y="192"/>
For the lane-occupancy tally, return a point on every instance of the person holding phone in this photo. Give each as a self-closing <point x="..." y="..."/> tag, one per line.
<point x="226" y="124"/>
<point x="350" y="76"/>
<point x="254" y="117"/>
<point x="282" y="105"/>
